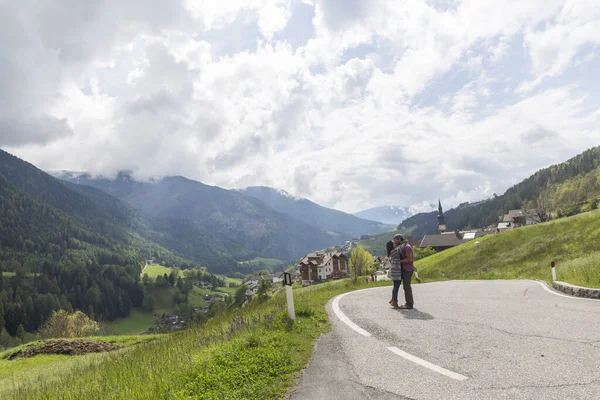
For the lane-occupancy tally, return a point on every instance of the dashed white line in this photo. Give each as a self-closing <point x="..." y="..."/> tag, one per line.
<point x="427" y="364"/>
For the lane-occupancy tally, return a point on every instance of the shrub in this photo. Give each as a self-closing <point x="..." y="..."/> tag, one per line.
<point x="69" y="325"/>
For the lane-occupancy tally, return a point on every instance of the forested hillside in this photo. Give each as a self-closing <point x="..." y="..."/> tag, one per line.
<point x="67" y="249"/>
<point x="563" y="189"/>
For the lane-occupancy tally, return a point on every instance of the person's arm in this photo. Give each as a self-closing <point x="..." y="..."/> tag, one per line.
<point x="409" y="256"/>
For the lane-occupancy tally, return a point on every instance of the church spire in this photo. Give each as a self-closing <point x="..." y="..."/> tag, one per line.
<point x="441" y="219"/>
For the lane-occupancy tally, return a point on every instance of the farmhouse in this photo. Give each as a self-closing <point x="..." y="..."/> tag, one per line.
<point x="321" y="266"/>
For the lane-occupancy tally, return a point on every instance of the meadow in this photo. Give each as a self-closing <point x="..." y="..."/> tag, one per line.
<point x="255" y="352"/>
<point x="572" y="243"/>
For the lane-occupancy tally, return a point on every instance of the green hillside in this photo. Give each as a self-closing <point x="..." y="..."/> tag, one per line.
<point x="376" y="246"/>
<point x="573" y="243"/>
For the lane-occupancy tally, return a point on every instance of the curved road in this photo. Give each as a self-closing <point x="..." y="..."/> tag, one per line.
<point x="464" y="340"/>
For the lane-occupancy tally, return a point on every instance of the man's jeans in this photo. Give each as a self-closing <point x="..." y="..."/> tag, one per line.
<point x="406" y="278"/>
<point x="395" y="290"/>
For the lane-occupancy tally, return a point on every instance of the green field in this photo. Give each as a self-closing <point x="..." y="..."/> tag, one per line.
<point x="377" y="246"/>
<point x="228" y="280"/>
<point x="137" y="322"/>
<point x="29" y="371"/>
<point x="257" y="345"/>
<point x="154" y="270"/>
<point x="573" y="243"/>
<point x="267" y="262"/>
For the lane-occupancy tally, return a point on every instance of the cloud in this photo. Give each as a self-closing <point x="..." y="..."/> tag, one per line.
<point x="352" y="104"/>
<point x="33" y="131"/>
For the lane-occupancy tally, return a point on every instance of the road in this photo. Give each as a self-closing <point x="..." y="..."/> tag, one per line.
<point x="464" y="340"/>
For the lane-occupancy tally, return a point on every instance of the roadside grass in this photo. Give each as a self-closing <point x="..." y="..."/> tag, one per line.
<point x="256" y="352"/>
<point x="583" y="271"/>
<point x="525" y="253"/>
<point x="26" y="372"/>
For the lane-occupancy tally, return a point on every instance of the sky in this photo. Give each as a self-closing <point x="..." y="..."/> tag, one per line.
<point x="349" y="103"/>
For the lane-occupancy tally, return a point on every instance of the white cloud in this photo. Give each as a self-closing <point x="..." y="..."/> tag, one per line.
<point x="385" y="104"/>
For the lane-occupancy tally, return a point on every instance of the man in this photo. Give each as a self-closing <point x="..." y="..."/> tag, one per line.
<point x="408" y="268"/>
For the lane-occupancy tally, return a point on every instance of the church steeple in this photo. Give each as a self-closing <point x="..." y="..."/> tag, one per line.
<point x="440" y="218"/>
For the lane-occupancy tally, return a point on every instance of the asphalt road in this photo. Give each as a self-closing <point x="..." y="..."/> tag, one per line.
<point x="464" y="340"/>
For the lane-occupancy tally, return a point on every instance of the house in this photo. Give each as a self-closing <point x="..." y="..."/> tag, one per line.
<point x="446" y="240"/>
<point x="252" y="284"/>
<point x="320" y="266"/>
<point x="526" y="217"/>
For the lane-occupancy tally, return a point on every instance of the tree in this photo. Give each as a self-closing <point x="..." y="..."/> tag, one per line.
<point x="146" y="279"/>
<point x="1" y="315"/>
<point x="264" y="272"/>
<point x="240" y="295"/>
<point x="21" y="333"/>
<point x="5" y="338"/>
<point x="69" y="325"/>
<point x="263" y="287"/>
<point x="172" y="279"/>
<point x="149" y="303"/>
<point x="360" y="260"/>
<point x="180" y="285"/>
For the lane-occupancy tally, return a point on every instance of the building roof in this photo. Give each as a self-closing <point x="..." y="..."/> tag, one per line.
<point x="319" y="258"/>
<point x="448" y="239"/>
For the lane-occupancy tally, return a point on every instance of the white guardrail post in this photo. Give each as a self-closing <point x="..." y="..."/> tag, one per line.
<point x="287" y="282"/>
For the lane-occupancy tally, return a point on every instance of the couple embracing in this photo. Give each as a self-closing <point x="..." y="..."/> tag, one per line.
<point x="401" y="257"/>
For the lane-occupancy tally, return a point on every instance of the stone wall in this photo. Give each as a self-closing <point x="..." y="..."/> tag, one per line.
<point x="577" y="290"/>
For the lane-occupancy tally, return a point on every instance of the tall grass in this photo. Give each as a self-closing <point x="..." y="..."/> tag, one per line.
<point x="573" y="243"/>
<point x="253" y="353"/>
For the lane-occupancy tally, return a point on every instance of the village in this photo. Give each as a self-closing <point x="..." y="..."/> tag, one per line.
<point x="322" y="266"/>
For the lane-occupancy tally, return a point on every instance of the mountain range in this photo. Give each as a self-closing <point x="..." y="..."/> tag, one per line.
<point x="335" y="222"/>
<point x="386" y="214"/>
<point x="220" y="227"/>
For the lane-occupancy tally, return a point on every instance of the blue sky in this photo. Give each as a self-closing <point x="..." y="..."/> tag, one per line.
<point x="350" y="103"/>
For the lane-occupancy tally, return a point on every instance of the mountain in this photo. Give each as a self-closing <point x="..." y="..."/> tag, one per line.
<point x="323" y="218"/>
<point x="386" y="214"/>
<point x="225" y="224"/>
<point x="562" y="189"/>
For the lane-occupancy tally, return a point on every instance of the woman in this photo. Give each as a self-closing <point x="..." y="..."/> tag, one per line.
<point x="394" y="251"/>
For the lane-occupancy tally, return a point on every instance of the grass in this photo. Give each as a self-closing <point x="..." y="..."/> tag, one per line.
<point x="268" y="262"/>
<point x="25" y="372"/>
<point x="573" y="243"/>
<point x="227" y="279"/>
<point x="164" y="298"/>
<point x="154" y="270"/>
<point x="252" y="353"/>
<point x="137" y="322"/>
<point x="583" y="271"/>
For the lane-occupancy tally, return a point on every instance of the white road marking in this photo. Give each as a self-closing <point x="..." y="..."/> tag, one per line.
<point x="344" y="319"/>
<point x="436" y="368"/>
<point x="545" y="287"/>
<point x="427" y="364"/>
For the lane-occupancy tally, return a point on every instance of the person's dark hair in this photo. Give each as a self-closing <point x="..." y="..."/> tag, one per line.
<point x="389" y="246"/>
